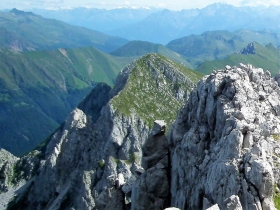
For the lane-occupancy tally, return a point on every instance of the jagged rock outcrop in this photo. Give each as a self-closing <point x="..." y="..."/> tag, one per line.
<point x="222" y="152"/>
<point x="93" y="160"/>
<point x="16" y="174"/>
<point x="225" y="142"/>
<point x="7" y="162"/>
<point x="249" y="49"/>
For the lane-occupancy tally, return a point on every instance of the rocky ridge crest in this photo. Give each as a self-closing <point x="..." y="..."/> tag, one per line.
<point x="94" y="158"/>
<point x="225" y="142"/>
<point x="222" y="151"/>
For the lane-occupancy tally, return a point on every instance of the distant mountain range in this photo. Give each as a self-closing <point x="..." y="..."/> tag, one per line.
<point x="45" y="74"/>
<point x="266" y="57"/>
<point x="98" y="19"/>
<point x="26" y="31"/>
<point x="193" y="50"/>
<point x="140" y="48"/>
<point x="166" y="25"/>
<point x="213" y="45"/>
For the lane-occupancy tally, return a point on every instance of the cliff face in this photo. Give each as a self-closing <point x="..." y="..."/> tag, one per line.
<point x="94" y="159"/>
<point x="222" y="151"/>
<point x="225" y="142"/>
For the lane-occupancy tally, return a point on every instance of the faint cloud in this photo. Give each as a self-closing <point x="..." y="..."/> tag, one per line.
<point x="260" y="3"/>
<point x="162" y="5"/>
<point x="275" y="2"/>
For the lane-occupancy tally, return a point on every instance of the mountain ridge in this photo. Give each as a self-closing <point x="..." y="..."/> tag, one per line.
<point x="53" y="34"/>
<point x="266" y="57"/>
<point x="223" y="148"/>
<point x="168" y="25"/>
<point x="215" y="45"/>
<point x="140" y="48"/>
<point x="111" y="143"/>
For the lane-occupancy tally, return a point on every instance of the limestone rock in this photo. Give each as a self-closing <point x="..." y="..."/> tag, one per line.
<point x="151" y="189"/>
<point x="154" y="151"/>
<point x="222" y="151"/>
<point x="159" y="127"/>
<point x="214" y="207"/>
<point x="7" y="164"/>
<point x="120" y="180"/>
<point x="232" y="203"/>
<point x="93" y="160"/>
<point x="224" y="141"/>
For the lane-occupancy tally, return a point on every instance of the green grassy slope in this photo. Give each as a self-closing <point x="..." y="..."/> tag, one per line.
<point x="150" y="92"/>
<point x="39" y="88"/>
<point x="266" y="57"/>
<point x="40" y="33"/>
<point x="215" y="45"/>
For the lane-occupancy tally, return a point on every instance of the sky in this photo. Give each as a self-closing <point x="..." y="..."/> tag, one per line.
<point x="110" y="4"/>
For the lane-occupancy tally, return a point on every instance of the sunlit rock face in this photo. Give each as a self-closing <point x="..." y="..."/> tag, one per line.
<point x="225" y="142"/>
<point x="222" y="151"/>
<point x="108" y="144"/>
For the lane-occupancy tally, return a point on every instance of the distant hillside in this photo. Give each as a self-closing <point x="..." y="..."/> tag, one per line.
<point x="140" y="48"/>
<point x="25" y="30"/>
<point x="266" y="57"/>
<point x="39" y="89"/>
<point x="12" y="41"/>
<point x="219" y="44"/>
<point x="98" y="19"/>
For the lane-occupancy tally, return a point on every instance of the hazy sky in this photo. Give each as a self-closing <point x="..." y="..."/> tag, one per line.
<point x="109" y="4"/>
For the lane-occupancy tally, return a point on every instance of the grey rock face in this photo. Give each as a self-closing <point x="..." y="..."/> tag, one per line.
<point x="87" y="163"/>
<point x="214" y="207"/>
<point x="159" y="127"/>
<point x="224" y="142"/>
<point x="87" y="160"/>
<point x="250" y="49"/>
<point x="7" y="164"/>
<point x="95" y="158"/>
<point x="16" y="175"/>
<point x="93" y="103"/>
<point x="222" y="152"/>
<point x="151" y="189"/>
<point x="232" y="203"/>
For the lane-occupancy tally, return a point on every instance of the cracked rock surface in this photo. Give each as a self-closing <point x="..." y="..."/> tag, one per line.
<point x="94" y="159"/>
<point x="225" y="142"/>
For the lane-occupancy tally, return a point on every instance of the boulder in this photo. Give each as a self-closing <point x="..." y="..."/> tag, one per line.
<point x="159" y="127"/>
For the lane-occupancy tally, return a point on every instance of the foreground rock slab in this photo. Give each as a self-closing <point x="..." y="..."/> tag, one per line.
<point x="224" y="142"/>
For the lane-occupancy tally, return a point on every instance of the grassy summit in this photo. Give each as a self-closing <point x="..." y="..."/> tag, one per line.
<point x="153" y="87"/>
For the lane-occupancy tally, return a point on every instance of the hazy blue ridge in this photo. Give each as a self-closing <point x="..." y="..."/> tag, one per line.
<point x="33" y="32"/>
